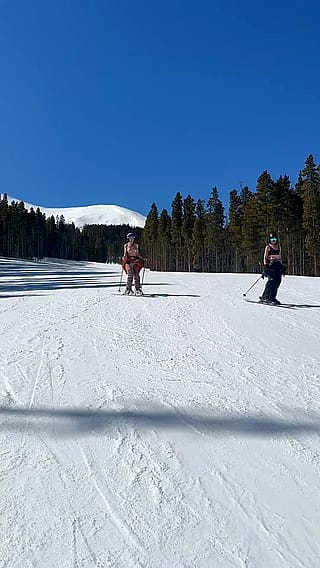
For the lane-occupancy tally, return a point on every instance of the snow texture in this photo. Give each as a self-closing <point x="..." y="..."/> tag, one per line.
<point x="176" y="430"/>
<point x="92" y="214"/>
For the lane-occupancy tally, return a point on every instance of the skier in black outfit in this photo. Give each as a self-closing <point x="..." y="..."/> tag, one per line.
<point x="273" y="270"/>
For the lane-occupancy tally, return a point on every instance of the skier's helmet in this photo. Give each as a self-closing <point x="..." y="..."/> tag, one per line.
<point x="273" y="238"/>
<point x="131" y="236"/>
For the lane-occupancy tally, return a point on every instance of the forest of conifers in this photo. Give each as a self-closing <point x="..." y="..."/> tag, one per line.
<point x="196" y="236"/>
<point x="30" y="235"/>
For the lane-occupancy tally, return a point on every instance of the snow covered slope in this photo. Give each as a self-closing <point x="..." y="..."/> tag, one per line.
<point x="180" y="429"/>
<point x="92" y="214"/>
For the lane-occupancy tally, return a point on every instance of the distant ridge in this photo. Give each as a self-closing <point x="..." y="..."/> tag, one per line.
<point x="91" y="214"/>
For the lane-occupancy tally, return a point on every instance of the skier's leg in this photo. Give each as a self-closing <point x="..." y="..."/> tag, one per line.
<point x="130" y="275"/>
<point x="275" y="285"/>
<point x="267" y="291"/>
<point x="136" y="277"/>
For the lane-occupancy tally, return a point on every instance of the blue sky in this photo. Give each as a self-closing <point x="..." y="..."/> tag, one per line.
<point x="130" y="101"/>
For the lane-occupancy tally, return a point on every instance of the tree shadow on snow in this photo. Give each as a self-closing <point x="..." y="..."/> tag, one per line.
<point x="19" y="277"/>
<point x="77" y="422"/>
<point x="3" y="296"/>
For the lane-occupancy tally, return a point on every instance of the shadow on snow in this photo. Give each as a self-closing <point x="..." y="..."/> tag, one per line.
<point x="65" y="422"/>
<point x="18" y="277"/>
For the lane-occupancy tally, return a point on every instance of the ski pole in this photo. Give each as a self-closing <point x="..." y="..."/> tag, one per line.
<point x="142" y="279"/>
<point x="245" y="293"/>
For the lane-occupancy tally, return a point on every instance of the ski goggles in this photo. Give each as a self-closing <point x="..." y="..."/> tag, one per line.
<point x="273" y="240"/>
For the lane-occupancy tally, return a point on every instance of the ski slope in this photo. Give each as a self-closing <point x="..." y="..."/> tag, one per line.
<point x="176" y="430"/>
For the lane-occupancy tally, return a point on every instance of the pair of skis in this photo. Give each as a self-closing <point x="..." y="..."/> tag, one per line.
<point x="265" y="303"/>
<point x="132" y="293"/>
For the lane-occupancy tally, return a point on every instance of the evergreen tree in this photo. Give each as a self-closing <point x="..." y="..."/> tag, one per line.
<point x="164" y="241"/>
<point x="252" y="241"/>
<point x="264" y="193"/>
<point x="235" y="228"/>
<point x="176" y="230"/>
<point x="214" y="224"/>
<point x="286" y="218"/>
<point x="311" y="211"/>
<point x="198" y="251"/>
<point x="150" y="237"/>
<point x="186" y="231"/>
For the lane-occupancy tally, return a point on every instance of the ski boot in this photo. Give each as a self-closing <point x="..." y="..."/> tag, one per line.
<point x="139" y="292"/>
<point x="264" y="301"/>
<point x="128" y="292"/>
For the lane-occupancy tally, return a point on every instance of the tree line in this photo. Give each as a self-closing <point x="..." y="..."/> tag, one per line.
<point x="30" y="235"/>
<point x="196" y="236"/>
<point x="200" y="236"/>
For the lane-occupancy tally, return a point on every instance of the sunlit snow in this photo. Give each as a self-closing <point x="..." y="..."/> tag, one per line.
<point x="179" y="429"/>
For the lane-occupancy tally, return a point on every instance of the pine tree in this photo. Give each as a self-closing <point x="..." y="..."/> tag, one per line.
<point x="186" y="230"/>
<point x="253" y="244"/>
<point x="150" y="237"/>
<point x="263" y="195"/>
<point x="164" y="241"/>
<point x="311" y="211"/>
<point x="4" y="207"/>
<point x="286" y="219"/>
<point x="198" y="252"/>
<point x="176" y="230"/>
<point x="214" y="224"/>
<point x="235" y="227"/>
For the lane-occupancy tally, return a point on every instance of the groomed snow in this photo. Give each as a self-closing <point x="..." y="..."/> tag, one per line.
<point x="179" y="430"/>
<point x="92" y="214"/>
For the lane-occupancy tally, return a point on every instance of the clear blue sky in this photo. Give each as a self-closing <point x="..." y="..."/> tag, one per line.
<point x="130" y="101"/>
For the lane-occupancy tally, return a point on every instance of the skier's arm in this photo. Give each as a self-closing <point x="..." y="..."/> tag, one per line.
<point x="265" y="256"/>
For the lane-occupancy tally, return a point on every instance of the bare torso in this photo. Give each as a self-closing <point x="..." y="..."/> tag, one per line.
<point x="131" y="250"/>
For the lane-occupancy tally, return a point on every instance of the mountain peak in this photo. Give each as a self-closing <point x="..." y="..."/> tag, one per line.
<point x="91" y="214"/>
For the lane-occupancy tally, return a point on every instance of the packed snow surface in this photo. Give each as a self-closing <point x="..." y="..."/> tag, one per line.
<point x="92" y="214"/>
<point x="176" y="430"/>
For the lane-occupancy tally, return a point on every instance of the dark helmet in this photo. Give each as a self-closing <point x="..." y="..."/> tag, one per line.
<point x="131" y="236"/>
<point x="272" y="238"/>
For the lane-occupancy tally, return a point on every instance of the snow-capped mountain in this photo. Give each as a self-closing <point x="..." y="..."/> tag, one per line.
<point x="92" y="214"/>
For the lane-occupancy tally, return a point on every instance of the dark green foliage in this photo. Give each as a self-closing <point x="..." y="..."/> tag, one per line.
<point x="238" y="244"/>
<point x="196" y="237"/>
<point x="235" y="228"/>
<point x="150" y="237"/>
<point x="165" y="252"/>
<point x="29" y="235"/>
<point x="187" y="231"/>
<point x="176" y="230"/>
<point x="198" y="248"/>
<point x="310" y="191"/>
<point x="214" y="232"/>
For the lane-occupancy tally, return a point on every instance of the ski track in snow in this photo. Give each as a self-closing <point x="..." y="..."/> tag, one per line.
<point x="174" y="430"/>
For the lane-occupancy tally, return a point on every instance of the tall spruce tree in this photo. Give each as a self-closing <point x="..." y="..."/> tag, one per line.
<point x="164" y="241"/>
<point x="214" y="221"/>
<point x="264" y="191"/>
<point x="176" y="229"/>
<point x="150" y="237"/>
<point x="251" y="235"/>
<point x="198" y="250"/>
<point x="235" y="228"/>
<point x="186" y="229"/>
